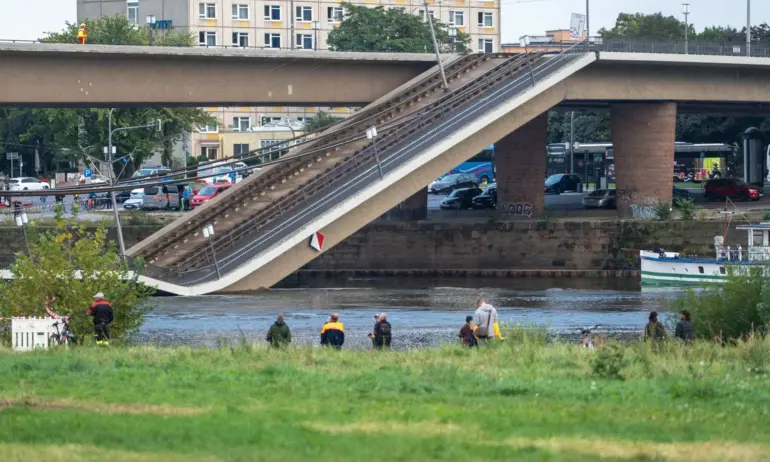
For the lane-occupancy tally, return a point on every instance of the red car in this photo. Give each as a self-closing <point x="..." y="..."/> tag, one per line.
<point x="208" y="193"/>
<point x="720" y="188"/>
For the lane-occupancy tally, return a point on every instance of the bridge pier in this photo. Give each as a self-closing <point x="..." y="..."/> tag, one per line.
<point x="521" y="164"/>
<point x="643" y="136"/>
<point x="416" y="206"/>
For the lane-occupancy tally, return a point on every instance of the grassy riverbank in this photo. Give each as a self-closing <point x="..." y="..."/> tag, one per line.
<point x="519" y="401"/>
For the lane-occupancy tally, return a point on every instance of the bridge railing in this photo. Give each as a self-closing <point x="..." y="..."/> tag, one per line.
<point x="693" y="47"/>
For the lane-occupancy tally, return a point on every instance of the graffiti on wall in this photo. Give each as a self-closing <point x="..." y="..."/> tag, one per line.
<point x="519" y="209"/>
<point x="642" y="206"/>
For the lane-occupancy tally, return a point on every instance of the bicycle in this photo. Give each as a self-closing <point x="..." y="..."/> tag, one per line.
<point x="63" y="336"/>
<point x="589" y="341"/>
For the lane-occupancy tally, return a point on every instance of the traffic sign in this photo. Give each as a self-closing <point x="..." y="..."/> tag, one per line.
<point x="11" y="156"/>
<point x="87" y="173"/>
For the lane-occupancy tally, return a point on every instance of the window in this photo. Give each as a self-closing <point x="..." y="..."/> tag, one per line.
<point x="241" y="124"/>
<point x="208" y="152"/>
<point x="133" y="12"/>
<point x="212" y="128"/>
<point x="207" y="10"/>
<point x="456" y="18"/>
<point x="334" y="14"/>
<point x="272" y="12"/>
<point x="239" y="149"/>
<point x="207" y="39"/>
<point x="241" y="39"/>
<point x="485" y="19"/>
<point x="432" y="15"/>
<point x="304" y="42"/>
<point x="272" y="40"/>
<point x="485" y="45"/>
<point x="700" y="269"/>
<point x="722" y="270"/>
<point x="266" y="120"/>
<point x="241" y="12"/>
<point x="304" y="13"/>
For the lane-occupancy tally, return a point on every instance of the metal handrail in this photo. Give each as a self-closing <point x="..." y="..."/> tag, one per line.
<point x="302" y="193"/>
<point x="390" y="161"/>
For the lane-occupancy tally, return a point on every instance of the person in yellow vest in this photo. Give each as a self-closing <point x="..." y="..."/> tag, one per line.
<point x="82" y="34"/>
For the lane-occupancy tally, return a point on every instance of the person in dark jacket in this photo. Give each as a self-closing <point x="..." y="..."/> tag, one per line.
<point x="279" y="334"/>
<point x="467" y="334"/>
<point x="685" y="329"/>
<point x="382" y="333"/>
<point x="101" y="311"/>
<point x="333" y="332"/>
<point x="371" y="334"/>
<point x="654" y="329"/>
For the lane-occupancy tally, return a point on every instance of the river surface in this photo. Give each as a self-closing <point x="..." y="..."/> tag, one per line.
<point x="422" y="312"/>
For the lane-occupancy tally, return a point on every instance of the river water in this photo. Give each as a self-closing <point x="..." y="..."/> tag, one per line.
<point x="423" y="312"/>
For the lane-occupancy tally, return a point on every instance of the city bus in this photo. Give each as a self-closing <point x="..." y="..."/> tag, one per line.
<point x="482" y="165"/>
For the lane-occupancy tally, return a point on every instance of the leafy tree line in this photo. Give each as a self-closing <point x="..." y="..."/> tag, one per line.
<point x="67" y="135"/>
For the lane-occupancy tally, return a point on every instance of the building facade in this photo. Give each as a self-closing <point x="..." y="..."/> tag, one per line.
<point x="271" y="24"/>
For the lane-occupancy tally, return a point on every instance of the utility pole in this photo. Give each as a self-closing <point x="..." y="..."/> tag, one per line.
<point x="572" y="142"/>
<point x="748" y="27"/>
<point x="686" y="12"/>
<point x="111" y="172"/>
<point x="588" y="22"/>
<point x="435" y="45"/>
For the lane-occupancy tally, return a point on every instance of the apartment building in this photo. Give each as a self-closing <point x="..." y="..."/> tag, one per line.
<point x="271" y="24"/>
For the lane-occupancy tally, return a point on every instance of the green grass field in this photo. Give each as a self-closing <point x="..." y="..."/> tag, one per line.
<point x="521" y="400"/>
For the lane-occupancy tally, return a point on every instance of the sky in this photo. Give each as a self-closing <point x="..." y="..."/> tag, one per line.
<point x="28" y="19"/>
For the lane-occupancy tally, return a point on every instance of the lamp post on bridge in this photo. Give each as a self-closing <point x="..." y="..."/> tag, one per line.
<point x="686" y="12"/>
<point x="208" y="233"/>
<point x="435" y="45"/>
<point x="748" y="27"/>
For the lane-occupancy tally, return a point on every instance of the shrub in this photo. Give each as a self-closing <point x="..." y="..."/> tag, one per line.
<point x="49" y="272"/>
<point x="662" y="210"/>
<point x="687" y="208"/>
<point x="732" y="311"/>
<point x="766" y="215"/>
<point x="609" y="362"/>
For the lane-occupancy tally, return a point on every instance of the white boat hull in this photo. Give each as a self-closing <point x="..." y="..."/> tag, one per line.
<point x="672" y="270"/>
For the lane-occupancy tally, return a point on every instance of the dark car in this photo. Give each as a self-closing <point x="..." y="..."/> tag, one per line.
<point x="449" y="183"/>
<point x="601" y="198"/>
<point x="561" y="182"/>
<point x="487" y="199"/>
<point x="122" y="196"/>
<point x="460" y="199"/>
<point x="680" y="194"/>
<point x="720" y="188"/>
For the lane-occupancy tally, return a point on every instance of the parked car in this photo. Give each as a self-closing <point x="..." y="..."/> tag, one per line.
<point x="135" y="201"/>
<point x="449" y="183"/>
<point x="561" y="182"/>
<point x="163" y="197"/>
<point x="487" y="199"/>
<point x="26" y="184"/>
<point x="733" y="188"/>
<point x="601" y="198"/>
<point x="208" y="193"/>
<point x="460" y="199"/>
<point x="93" y="179"/>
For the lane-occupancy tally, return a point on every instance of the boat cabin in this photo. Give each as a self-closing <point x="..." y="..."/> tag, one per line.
<point x="757" y="248"/>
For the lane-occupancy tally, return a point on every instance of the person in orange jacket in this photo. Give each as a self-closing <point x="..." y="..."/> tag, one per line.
<point x="82" y="34"/>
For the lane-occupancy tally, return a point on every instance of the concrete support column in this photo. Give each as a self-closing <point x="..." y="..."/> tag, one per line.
<point x="416" y="206"/>
<point x="521" y="161"/>
<point x="643" y="137"/>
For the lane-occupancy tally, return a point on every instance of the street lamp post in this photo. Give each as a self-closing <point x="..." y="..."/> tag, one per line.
<point x="150" y="25"/>
<point x="588" y="22"/>
<point x="523" y="42"/>
<point x="435" y="45"/>
<point x="21" y="221"/>
<point x="371" y="133"/>
<point x="110" y="172"/>
<point x="208" y="233"/>
<point x="572" y="142"/>
<point x="748" y="27"/>
<point x="686" y="12"/>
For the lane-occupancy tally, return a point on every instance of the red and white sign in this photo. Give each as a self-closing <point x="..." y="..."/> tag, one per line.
<point x="317" y="241"/>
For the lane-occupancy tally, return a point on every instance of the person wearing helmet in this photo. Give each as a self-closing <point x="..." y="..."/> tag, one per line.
<point x="101" y="311"/>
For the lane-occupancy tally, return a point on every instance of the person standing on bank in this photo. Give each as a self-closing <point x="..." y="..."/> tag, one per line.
<point x="654" y="330"/>
<point x="333" y="332"/>
<point x="279" y="334"/>
<point x="101" y="311"/>
<point x="466" y="333"/>
<point x="685" y="329"/>
<point x="382" y="332"/>
<point x="485" y="319"/>
<point x="371" y="334"/>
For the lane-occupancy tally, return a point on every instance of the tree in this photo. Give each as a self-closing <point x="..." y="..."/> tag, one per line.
<point x="320" y="121"/>
<point x="70" y="264"/>
<point x="590" y="127"/>
<point x="70" y="134"/>
<point x="391" y="30"/>
<point x="647" y="26"/>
